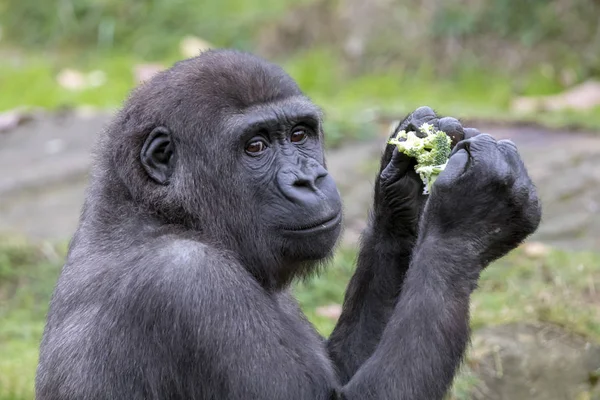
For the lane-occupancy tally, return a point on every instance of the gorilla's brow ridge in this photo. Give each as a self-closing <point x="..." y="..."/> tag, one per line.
<point x="293" y="108"/>
<point x="299" y="105"/>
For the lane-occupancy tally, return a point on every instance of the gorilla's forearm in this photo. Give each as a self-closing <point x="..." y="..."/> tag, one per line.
<point x="427" y="333"/>
<point x="370" y="299"/>
<point x="383" y="258"/>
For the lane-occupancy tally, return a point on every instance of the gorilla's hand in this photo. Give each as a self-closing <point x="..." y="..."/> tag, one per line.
<point x="483" y="202"/>
<point x="399" y="197"/>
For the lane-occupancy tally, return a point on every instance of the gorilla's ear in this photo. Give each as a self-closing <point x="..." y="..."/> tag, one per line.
<point x="157" y="155"/>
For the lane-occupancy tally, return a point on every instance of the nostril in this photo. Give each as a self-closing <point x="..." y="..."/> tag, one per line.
<point x="320" y="178"/>
<point x="302" y="183"/>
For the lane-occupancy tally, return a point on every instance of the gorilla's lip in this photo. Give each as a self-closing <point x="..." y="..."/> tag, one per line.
<point x="325" y="224"/>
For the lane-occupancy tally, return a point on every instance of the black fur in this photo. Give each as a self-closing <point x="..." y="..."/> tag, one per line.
<point x="175" y="286"/>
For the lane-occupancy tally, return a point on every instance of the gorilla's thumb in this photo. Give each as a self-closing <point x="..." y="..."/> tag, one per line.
<point x="397" y="167"/>
<point x="457" y="165"/>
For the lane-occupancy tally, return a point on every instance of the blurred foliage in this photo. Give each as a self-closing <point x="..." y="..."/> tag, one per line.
<point x="448" y="33"/>
<point x="467" y="58"/>
<point x="515" y="33"/>
<point x="529" y="21"/>
<point x="148" y="28"/>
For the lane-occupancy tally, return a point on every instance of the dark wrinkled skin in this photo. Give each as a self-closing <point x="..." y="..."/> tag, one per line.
<point x="177" y="280"/>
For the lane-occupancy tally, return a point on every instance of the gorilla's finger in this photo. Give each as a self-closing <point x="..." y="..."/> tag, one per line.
<point x="477" y="143"/>
<point x="398" y="165"/>
<point x="452" y="128"/>
<point x="413" y="121"/>
<point x="491" y="160"/>
<point x="523" y="188"/>
<point x="423" y="113"/>
<point x="401" y="161"/>
<point x="421" y="116"/>
<point x="483" y="140"/>
<point x="396" y="127"/>
<point x="457" y="165"/>
<point x="471" y="132"/>
<point x="462" y="145"/>
<point x="386" y="156"/>
<point x="509" y="144"/>
<point x="511" y="153"/>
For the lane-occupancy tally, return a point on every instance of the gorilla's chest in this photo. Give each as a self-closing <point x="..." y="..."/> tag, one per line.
<point x="304" y="343"/>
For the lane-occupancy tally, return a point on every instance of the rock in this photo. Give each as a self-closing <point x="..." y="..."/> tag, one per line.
<point x="143" y="72"/>
<point x="74" y="80"/>
<point x="572" y="224"/>
<point x="535" y="249"/>
<point x="585" y="96"/>
<point x="332" y="311"/>
<point x="534" y="362"/>
<point x="54" y="146"/>
<point x="191" y="46"/>
<point x="525" y="104"/>
<point x="71" y="79"/>
<point x="86" y="111"/>
<point x="13" y="118"/>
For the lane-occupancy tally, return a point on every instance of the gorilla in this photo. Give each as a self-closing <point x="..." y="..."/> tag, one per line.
<point x="210" y="193"/>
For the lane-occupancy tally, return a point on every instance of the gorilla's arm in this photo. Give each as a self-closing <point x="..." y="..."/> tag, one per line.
<point x="369" y="301"/>
<point x="459" y="235"/>
<point x="386" y="249"/>
<point x="424" y="340"/>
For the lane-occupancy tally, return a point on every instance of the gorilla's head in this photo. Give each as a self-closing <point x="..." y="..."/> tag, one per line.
<point x="226" y="145"/>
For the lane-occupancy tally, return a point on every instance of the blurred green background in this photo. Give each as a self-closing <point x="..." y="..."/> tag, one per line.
<point x="473" y="57"/>
<point x="366" y="62"/>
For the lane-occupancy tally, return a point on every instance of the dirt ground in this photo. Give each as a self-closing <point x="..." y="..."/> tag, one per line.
<point x="44" y="164"/>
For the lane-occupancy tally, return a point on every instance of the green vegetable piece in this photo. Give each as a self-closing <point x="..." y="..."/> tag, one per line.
<point x="431" y="152"/>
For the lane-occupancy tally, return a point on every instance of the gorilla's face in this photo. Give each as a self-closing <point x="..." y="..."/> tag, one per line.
<point x="280" y="153"/>
<point x="237" y="154"/>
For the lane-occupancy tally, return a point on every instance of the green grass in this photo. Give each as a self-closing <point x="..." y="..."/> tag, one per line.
<point x="27" y="275"/>
<point x="560" y="287"/>
<point x="31" y="82"/>
<point x="563" y="288"/>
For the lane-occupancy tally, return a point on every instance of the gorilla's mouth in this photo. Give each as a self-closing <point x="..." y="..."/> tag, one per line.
<point x="318" y="226"/>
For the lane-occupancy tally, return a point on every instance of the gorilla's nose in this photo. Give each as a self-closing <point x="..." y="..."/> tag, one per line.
<point x="304" y="185"/>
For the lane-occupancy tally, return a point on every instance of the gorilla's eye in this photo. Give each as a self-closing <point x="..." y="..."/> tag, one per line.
<point x="256" y="147"/>
<point x="298" y="135"/>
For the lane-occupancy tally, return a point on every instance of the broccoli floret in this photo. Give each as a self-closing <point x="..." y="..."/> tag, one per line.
<point x="438" y="145"/>
<point x="429" y="174"/>
<point x="431" y="152"/>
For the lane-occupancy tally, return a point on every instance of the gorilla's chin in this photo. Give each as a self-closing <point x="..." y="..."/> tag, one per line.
<point x="314" y="243"/>
<point x="310" y="229"/>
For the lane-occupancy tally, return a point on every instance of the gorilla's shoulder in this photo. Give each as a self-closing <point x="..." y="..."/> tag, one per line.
<point x="182" y="250"/>
<point x="191" y="257"/>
